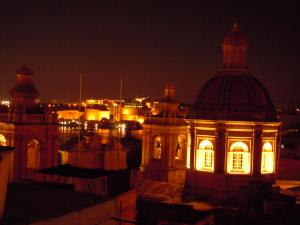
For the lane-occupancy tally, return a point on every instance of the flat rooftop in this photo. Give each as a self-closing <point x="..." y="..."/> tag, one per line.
<point x="79" y="172"/>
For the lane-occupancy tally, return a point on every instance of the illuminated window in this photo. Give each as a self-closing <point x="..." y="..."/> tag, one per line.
<point x="2" y="140"/>
<point x="205" y="156"/>
<point x="267" y="158"/>
<point x="238" y="159"/>
<point x="157" y="148"/>
<point x="33" y="155"/>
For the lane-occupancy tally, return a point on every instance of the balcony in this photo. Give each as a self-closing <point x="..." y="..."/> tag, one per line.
<point x="28" y="118"/>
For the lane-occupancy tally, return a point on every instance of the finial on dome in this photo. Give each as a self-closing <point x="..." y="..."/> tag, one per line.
<point x="25" y="70"/>
<point x="235" y="49"/>
<point x="235" y="26"/>
<point x="169" y="91"/>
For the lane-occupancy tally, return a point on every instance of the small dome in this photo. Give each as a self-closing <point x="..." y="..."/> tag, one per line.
<point x="24" y="86"/>
<point x="235" y="37"/>
<point x="235" y="97"/>
<point x="25" y="70"/>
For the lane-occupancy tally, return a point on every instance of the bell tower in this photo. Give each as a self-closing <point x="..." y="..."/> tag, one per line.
<point x="24" y="94"/>
<point x="29" y="128"/>
<point x="165" y="141"/>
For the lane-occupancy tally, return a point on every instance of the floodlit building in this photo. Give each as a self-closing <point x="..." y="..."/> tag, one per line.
<point x="229" y="138"/>
<point x="233" y="127"/>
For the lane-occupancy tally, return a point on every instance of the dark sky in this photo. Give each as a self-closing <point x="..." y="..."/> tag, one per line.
<point x="146" y="43"/>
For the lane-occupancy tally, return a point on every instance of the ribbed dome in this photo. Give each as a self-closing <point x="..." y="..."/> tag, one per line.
<point x="235" y="97"/>
<point x="233" y="93"/>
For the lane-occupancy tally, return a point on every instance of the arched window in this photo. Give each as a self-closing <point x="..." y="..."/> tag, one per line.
<point x="33" y="154"/>
<point x="179" y="147"/>
<point x="267" y="158"/>
<point x="238" y="159"/>
<point x="157" y="147"/>
<point x="205" y="156"/>
<point x="2" y="140"/>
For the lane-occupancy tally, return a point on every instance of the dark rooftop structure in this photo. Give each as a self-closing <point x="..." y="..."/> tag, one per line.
<point x="79" y="172"/>
<point x="6" y="148"/>
<point x="117" y="181"/>
<point x="28" y="202"/>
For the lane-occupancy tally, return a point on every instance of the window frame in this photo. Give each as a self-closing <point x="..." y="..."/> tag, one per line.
<point x="239" y="162"/>
<point x="207" y="155"/>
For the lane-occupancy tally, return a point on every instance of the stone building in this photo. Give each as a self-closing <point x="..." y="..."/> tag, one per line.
<point x="233" y="127"/>
<point x="165" y="141"/>
<point x="27" y="127"/>
<point x="228" y="139"/>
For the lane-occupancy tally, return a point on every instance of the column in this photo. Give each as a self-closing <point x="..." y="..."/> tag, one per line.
<point x="220" y="149"/>
<point x="172" y="149"/>
<point x="257" y="151"/>
<point x="192" y="152"/>
<point x="144" y="152"/>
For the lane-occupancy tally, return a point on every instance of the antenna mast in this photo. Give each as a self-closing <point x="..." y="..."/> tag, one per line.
<point x="79" y="131"/>
<point x="120" y="124"/>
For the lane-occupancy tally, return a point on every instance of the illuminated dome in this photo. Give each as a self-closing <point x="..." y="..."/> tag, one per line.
<point x="233" y="93"/>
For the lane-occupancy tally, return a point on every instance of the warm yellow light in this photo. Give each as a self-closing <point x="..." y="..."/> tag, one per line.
<point x="127" y="111"/>
<point x="91" y="117"/>
<point x="2" y="140"/>
<point x="205" y="156"/>
<point x="267" y="158"/>
<point x="238" y="159"/>
<point x="141" y="120"/>
<point x="68" y="114"/>
<point x="96" y="115"/>
<point x="188" y="154"/>
<point x="64" y="157"/>
<point x="267" y="146"/>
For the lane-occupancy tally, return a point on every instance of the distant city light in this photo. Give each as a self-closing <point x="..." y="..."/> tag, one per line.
<point x="5" y="102"/>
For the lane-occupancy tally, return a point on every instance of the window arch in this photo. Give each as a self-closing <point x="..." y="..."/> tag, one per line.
<point x="157" y="147"/>
<point x="2" y="140"/>
<point x="33" y="154"/>
<point x="267" y="158"/>
<point x="238" y="158"/>
<point x="205" y="156"/>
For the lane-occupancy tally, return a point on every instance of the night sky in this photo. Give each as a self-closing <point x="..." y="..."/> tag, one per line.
<point x="146" y="43"/>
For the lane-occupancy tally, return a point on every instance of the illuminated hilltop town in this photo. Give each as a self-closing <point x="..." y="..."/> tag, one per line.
<point x="226" y="159"/>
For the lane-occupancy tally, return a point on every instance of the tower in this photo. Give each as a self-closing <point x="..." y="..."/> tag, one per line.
<point x="164" y="141"/>
<point x="29" y="128"/>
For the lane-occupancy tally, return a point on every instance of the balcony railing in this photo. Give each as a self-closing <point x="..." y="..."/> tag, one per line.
<point x="165" y="120"/>
<point x="28" y="118"/>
